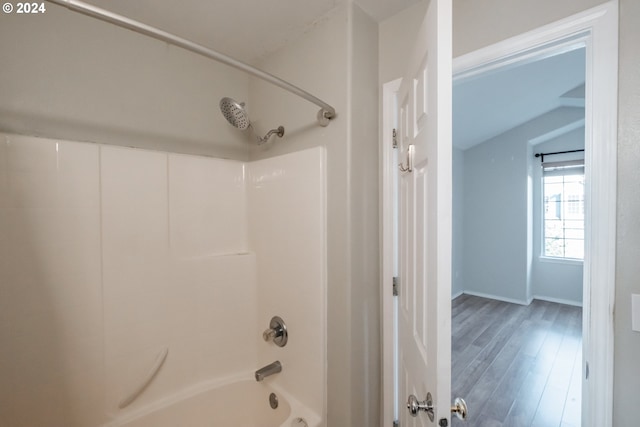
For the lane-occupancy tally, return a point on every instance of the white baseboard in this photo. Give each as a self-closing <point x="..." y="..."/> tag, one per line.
<point x="497" y="297"/>
<point x="517" y="301"/>
<point x="558" y="300"/>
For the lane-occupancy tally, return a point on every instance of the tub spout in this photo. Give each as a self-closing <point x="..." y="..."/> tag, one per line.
<point x="270" y="369"/>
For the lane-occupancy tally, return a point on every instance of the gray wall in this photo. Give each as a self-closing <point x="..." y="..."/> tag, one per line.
<point x="478" y="24"/>
<point x="457" y="258"/>
<point x="559" y="281"/>
<point x="627" y="342"/>
<point x="498" y="237"/>
<point x="495" y="217"/>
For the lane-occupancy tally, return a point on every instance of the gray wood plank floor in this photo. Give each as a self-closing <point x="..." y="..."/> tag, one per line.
<point x="516" y="365"/>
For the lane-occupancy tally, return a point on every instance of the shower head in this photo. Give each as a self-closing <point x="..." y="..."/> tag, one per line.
<point x="235" y="113"/>
<point x="237" y="116"/>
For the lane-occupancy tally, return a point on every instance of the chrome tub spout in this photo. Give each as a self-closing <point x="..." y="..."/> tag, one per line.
<point x="270" y="369"/>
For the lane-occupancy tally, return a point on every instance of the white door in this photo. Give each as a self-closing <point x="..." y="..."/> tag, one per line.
<point x="425" y="194"/>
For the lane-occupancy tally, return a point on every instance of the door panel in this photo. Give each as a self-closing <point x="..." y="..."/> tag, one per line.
<point x="424" y="318"/>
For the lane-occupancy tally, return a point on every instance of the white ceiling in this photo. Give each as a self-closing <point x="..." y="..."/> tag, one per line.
<point x="490" y="104"/>
<point x="243" y="29"/>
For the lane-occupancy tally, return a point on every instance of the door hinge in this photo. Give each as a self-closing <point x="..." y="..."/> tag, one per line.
<point x="396" y="423"/>
<point x="586" y="370"/>
<point x="396" y="286"/>
<point x="395" y="138"/>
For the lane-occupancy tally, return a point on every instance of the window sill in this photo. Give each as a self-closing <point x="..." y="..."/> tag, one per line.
<point x="568" y="261"/>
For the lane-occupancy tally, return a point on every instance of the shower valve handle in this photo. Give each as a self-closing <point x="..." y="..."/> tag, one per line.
<point x="269" y="334"/>
<point x="277" y="332"/>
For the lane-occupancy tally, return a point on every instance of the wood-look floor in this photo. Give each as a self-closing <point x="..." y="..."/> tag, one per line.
<point x="517" y="365"/>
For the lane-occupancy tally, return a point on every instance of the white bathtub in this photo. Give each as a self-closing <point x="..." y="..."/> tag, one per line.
<point x="238" y="403"/>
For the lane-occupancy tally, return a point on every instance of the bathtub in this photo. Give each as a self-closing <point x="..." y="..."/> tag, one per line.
<point x="234" y="403"/>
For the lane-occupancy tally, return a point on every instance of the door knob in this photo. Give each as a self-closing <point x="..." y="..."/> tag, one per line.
<point x="460" y="408"/>
<point x="414" y="406"/>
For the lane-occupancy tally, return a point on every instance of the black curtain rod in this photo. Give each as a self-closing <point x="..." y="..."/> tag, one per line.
<point x="541" y="155"/>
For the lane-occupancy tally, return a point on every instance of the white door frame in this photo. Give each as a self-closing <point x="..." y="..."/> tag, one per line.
<point x="388" y="250"/>
<point x="597" y="29"/>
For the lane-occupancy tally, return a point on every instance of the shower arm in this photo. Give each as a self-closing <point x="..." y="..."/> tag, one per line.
<point x="279" y="131"/>
<point x="326" y="113"/>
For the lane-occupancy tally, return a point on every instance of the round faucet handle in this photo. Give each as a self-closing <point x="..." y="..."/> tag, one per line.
<point x="277" y="332"/>
<point x="269" y="334"/>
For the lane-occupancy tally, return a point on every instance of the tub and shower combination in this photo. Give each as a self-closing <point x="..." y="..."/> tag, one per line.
<point x="285" y="325"/>
<point x="154" y="292"/>
<point x="141" y="283"/>
<point x="233" y="401"/>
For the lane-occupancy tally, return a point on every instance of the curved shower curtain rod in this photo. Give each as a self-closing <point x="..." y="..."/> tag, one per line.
<point x="326" y="113"/>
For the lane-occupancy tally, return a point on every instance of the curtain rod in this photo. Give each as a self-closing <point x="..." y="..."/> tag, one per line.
<point x="541" y="155"/>
<point x="326" y="113"/>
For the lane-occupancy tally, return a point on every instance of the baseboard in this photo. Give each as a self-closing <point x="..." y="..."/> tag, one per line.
<point x="517" y="301"/>
<point x="456" y="295"/>
<point x="558" y="300"/>
<point x="496" y="297"/>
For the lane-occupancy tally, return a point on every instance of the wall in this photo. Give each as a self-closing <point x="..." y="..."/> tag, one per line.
<point x="457" y="256"/>
<point x="363" y="219"/>
<point x="50" y="283"/>
<point x="287" y="224"/>
<point x="338" y="61"/>
<point x="496" y="255"/>
<point x="478" y="24"/>
<point x="171" y="274"/>
<point x="70" y="76"/>
<point x="627" y="342"/>
<point x="494" y="224"/>
<point x="396" y="36"/>
<point x="554" y="280"/>
<point x="112" y="254"/>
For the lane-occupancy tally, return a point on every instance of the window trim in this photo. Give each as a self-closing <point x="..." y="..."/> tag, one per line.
<point x="560" y="260"/>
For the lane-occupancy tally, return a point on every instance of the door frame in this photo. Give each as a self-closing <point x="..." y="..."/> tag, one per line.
<point x="388" y="249"/>
<point x="597" y="29"/>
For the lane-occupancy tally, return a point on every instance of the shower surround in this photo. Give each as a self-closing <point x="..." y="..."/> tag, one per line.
<point x="109" y="255"/>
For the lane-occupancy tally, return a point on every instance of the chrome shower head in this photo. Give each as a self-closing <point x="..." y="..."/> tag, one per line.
<point x="237" y="116"/>
<point x="235" y="113"/>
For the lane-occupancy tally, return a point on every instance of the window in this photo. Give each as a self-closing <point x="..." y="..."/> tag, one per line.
<point x="563" y="195"/>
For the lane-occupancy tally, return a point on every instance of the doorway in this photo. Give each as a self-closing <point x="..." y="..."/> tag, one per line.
<point x="518" y="248"/>
<point x="600" y="162"/>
